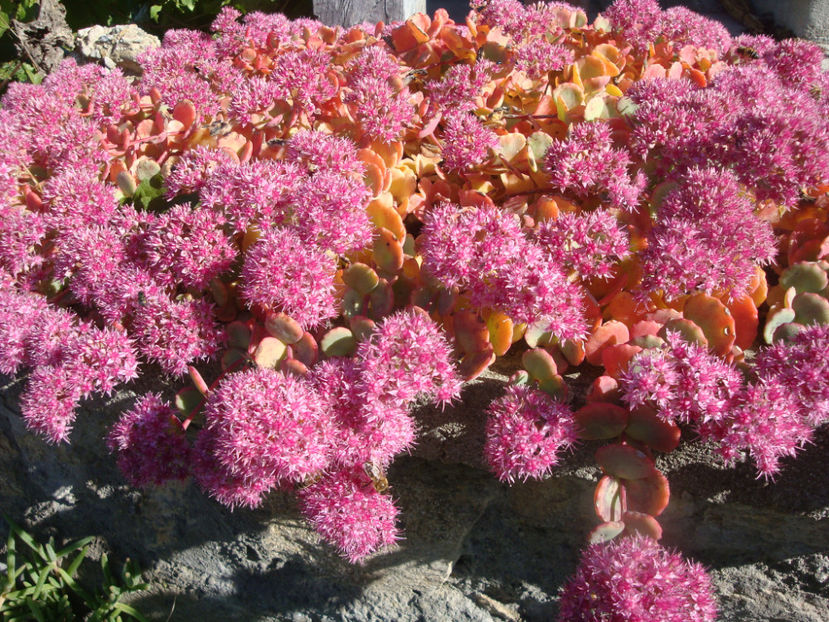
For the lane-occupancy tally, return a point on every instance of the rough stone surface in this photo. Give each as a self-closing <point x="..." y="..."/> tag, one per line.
<point x="351" y="12"/>
<point x="115" y="46"/>
<point x="44" y="41"/>
<point x="474" y="549"/>
<point x="806" y="18"/>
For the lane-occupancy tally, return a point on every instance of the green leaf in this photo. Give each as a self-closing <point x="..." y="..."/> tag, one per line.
<point x="130" y="611"/>
<point x="4" y="22"/>
<point x="149" y="194"/>
<point x="155" y="11"/>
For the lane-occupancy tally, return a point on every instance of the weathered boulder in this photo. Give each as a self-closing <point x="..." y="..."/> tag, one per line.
<point x="115" y="46"/>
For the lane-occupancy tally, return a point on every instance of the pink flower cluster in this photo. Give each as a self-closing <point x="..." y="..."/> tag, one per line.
<point x="150" y="443"/>
<point x="586" y="162"/>
<point x="590" y="243"/>
<point x="328" y="432"/>
<point x="770" y="418"/>
<point x="634" y="579"/>
<point x="526" y="430"/>
<point x="706" y="238"/>
<point x="486" y="252"/>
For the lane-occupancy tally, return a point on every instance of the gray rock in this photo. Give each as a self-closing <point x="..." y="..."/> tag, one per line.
<point x="474" y="549"/>
<point x="115" y="46"/>
<point x="44" y="41"/>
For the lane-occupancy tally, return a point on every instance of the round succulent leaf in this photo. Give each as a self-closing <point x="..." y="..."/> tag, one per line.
<point x="624" y="461"/>
<point x="775" y="318"/>
<point x="608" y="334"/>
<point x="573" y="351"/>
<point x="293" y="366"/>
<point x="354" y="303"/>
<point x="644" y="524"/>
<point x="787" y="331"/>
<point x="232" y="357"/>
<point x="269" y="352"/>
<point x="649" y="495"/>
<point x="746" y="321"/>
<point x="686" y="328"/>
<point x="338" y="341"/>
<point x="713" y="317"/>
<point x="381" y="300"/>
<point x="539" y="363"/>
<point x="306" y="349"/>
<point x="645" y="425"/>
<point x="474" y="364"/>
<point x="361" y="278"/>
<point x="388" y="251"/>
<point x="605" y="532"/>
<point x="604" y="389"/>
<point x="554" y="387"/>
<point x="283" y="327"/>
<point x="238" y="335"/>
<point x="810" y="309"/>
<point x="500" y="332"/>
<point x="536" y="335"/>
<point x="361" y="326"/>
<point x="647" y="341"/>
<point x="615" y="358"/>
<point x="608" y="499"/>
<point x="471" y="333"/>
<point x="187" y="400"/>
<point x="804" y="276"/>
<point x="601" y="421"/>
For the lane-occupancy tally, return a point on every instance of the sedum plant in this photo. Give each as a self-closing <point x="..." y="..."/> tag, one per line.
<point x="313" y="229"/>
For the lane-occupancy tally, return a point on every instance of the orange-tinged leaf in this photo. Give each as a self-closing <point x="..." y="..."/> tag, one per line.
<point x="500" y="332"/>
<point x="746" y="321"/>
<point x="645" y="524"/>
<point x="608" y="334"/>
<point x="608" y="499"/>
<point x="386" y="217"/>
<point x="649" y="495"/>
<point x="713" y="318"/>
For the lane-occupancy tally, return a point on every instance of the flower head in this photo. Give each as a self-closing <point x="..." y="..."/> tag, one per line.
<point x="526" y="430"/>
<point x="632" y="579"/>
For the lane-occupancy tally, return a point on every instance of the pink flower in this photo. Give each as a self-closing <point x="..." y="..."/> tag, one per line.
<point x="638" y="22"/>
<point x="349" y="513"/>
<point x="539" y="57"/>
<point x="174" y="333"/>
<point x="466" y="142"/>
<point x="485" y="253"/>
<point x="329" y="211"/>
<point x="282" y="272"/>
<point x="591" y="243"/>
<point x="268" y="424"/>
<point x="382" y="110"/>
<point x="48" y="403"/>
<point x="186" y="246"/>
<point x="706" y="238"/>
<point x="318" y="151"/>
<point x="634" y="579"/>
<point x="150" y="443"/>
<point x="586" y="163"/>
<point x="526" y="430"/>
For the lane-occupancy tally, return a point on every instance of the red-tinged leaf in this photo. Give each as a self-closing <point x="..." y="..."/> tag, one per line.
<point x="474" y="364"/>
<point x="645" y="524"/>
<point x="605" y="532"/>
<point x="231" y="358"/>
<point x="306" y="349"/>
<point x="608" y="499"/>
<point x="600" y="420"/>
<point x="608" y="334"/>
<point x="615" y="359"/>
<point x="283" y="327"/>
<point x="624" y="461"/>
<point x="604" y="389"/>
<point x="238" y="335"/>
<point x="649" y="495"/>
<point x="646" y="426"/>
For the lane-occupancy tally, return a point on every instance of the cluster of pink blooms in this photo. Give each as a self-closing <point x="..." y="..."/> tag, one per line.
<point x="770" y="418"/>
<point x="706" y="238"/>
<point x="591" y="243"/>
<point x="266" y="429"/>
<point x="68" y="360"/>
<point x="486" y="252"/>
<point x="526" y="431"/>
<point x="150" y="442"/>
<point x="634" y="579"/>
<point x="586" y="163"/>
<point x="466" y="141"/>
